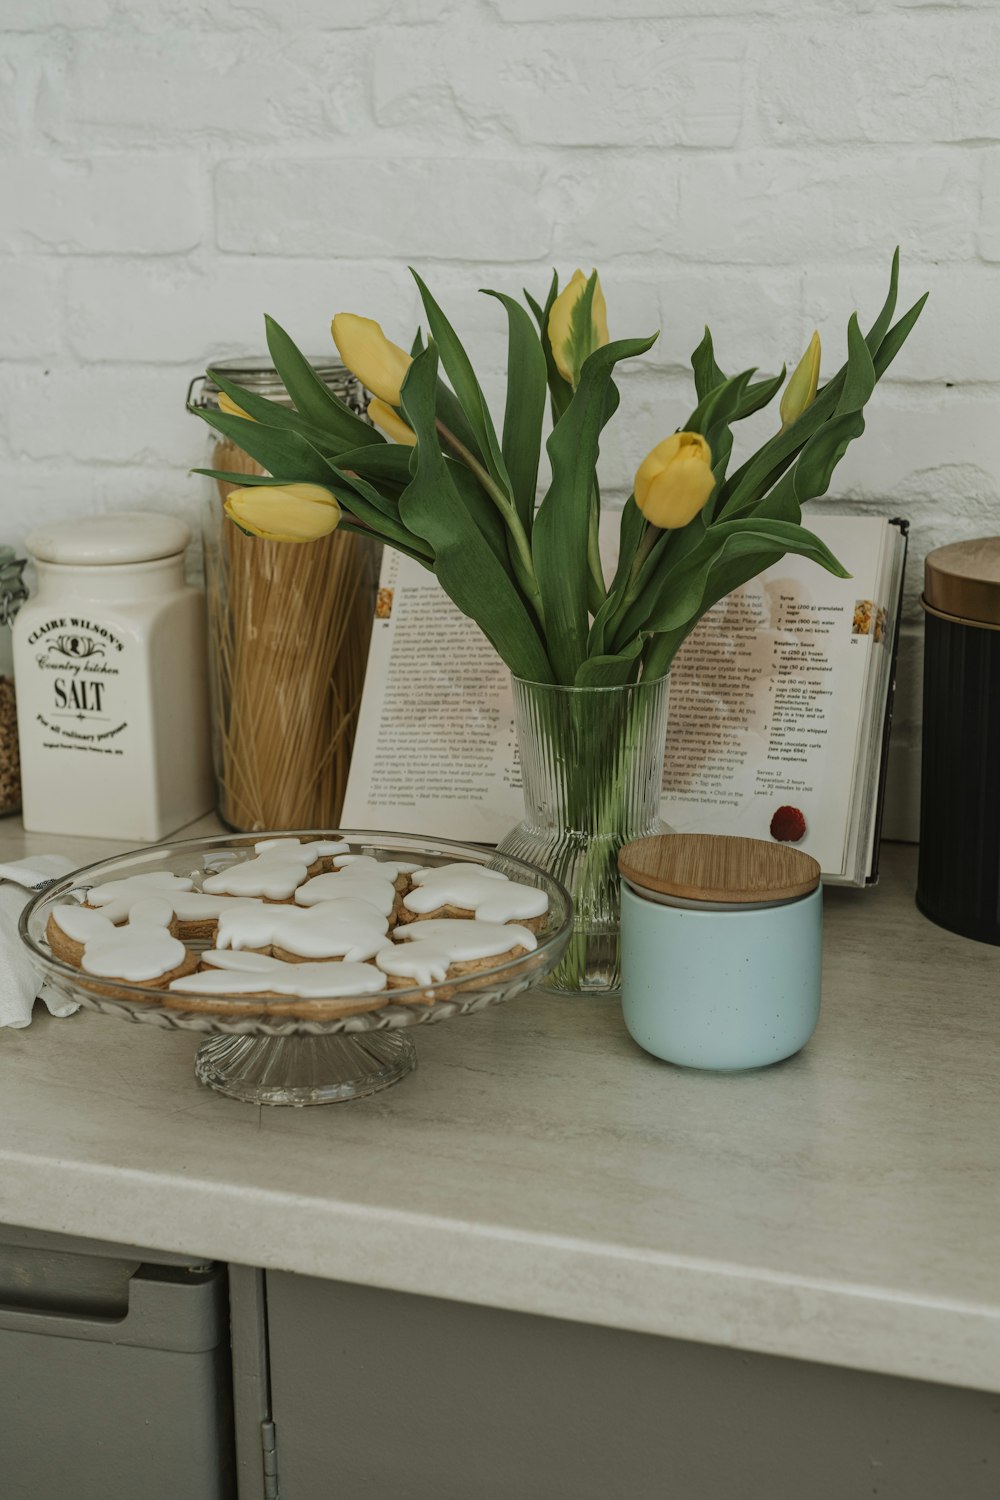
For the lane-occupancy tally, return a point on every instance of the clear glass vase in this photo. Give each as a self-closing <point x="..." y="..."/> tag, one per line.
<point x="592" y="768"/>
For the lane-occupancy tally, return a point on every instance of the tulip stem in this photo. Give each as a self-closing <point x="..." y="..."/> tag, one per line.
<point x="597" y="589"/>
<point x="521" y="557"/>
<point x="647" y="542"/>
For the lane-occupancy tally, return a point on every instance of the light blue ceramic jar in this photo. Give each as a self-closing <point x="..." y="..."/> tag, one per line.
<point x="717" y="984"/>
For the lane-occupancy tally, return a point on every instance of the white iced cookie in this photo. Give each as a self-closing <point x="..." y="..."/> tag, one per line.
<point x="427" y="951"/>
<point x="316" y="932"/>
<point x="117" y="897"/>
<point x="140" y="951"/>
<point x="256" y="973"/>
<point x="312" y="849"/>
<point x="78" y="923"/>
<point x="363" y="865"/>
<point x="273" y="875"/>
<point x="467" y="939"/>
<point x="469" y="888"/>
<point x="457" y="867"/>
<point x="342" y="887"/>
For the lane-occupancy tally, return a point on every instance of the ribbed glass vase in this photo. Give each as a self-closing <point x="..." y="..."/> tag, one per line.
<point x="592" y="768"/>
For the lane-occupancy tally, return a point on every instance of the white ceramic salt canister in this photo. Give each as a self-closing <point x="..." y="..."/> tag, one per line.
<point x="110" y="659"/>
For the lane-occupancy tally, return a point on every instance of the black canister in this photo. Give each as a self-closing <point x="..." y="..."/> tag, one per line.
<point x="958" y="884"/>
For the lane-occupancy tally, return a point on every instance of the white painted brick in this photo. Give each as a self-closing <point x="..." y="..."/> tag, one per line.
<point x="22" y="63"/>
<point x="107" y="415"/>
<point x="630" y="10"/>
<point x="773" y="207"/>
<point x="989" y="213"/>
<point x="10" y="121"/>
<point x="44" y="15"/>
<point x="180" y="85"/>
<point x="565" y="85"/>
<point x="29" y="308"/>
<point x="443" y="208"/>
<point x="608" y="204"/>
<point x="884" y="78"/>
<point x="62" y="491"/>
<point x="106" y="203"/>
<point x="322" y="15"/>
<point x="190" y="312"/>
<point x="755" y="316"/>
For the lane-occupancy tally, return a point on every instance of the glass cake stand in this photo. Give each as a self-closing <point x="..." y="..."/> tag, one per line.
<point x="257" y="1050"/>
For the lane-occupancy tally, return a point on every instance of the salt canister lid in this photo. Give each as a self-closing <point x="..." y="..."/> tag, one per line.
<point x="963" y="580"/>
<point x="718" y="868"/>
<point x="122" y="537"/>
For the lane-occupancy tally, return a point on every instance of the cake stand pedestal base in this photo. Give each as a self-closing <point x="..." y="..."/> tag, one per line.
<point x="300" y="1070"/>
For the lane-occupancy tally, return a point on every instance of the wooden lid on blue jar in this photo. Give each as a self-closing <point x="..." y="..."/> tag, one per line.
<point x="719" y="869"/>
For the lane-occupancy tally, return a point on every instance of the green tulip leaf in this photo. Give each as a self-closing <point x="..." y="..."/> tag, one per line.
<point x="467" y="389"/>
<point x="897" y="336"/>
<point x="859" y="380"/>
<point x="311" y="397"/>
<point x="239" y="481"/>
<point x="559" y="541"/>
<point x="270" y="413"/>
<point x="465" y="563"/>
<point x="560" y="390"/>
<point x="387" y="463"/>
<point x="880" y="327"/>
<point x="525" y="410"/>
<point x="286" y="455"/>
<point x="611" y="671"/>
<point x="721" y="403"/>
<point x="688" y="589"/>
<point x="707" y="374"/>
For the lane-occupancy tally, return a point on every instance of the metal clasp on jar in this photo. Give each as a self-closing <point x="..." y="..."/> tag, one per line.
<point x="13" y="590"/>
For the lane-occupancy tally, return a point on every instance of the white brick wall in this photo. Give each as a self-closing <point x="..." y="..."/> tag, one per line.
<point x="169" y="169"/>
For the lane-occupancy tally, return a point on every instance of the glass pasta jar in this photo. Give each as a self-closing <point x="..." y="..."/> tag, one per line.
<point x="289" y="627"/>
<point x="12" y="596"/>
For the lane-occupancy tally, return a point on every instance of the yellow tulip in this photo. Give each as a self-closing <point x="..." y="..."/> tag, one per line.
<point x="378" y="363"/>
<point x="284" y="513"/>
<point x="800" y="392"/>
<point x="675" y="480"/>
<point x="228" y="405"/>
<point x="571" y="344"/>
<point x="391" y="422"/>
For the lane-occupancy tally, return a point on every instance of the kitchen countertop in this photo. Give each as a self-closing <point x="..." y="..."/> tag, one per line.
<point x="841" y="1207"/>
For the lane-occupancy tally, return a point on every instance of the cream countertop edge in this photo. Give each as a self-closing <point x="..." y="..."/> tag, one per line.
<point x="836" y="1208"/>
<point x="873" y="1329"/>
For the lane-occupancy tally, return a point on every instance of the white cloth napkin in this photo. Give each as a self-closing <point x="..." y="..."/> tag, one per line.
<point x="19" y="981"/>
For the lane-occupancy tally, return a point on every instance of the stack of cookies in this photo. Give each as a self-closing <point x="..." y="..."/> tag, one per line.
<point x="307" y="928"/>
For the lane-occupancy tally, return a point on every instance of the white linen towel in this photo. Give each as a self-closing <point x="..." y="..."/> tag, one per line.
<point x="20" y="984"/>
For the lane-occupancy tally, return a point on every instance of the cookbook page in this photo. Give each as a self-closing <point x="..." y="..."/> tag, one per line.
<point x="765" y="707"/>
<point x="767" y="695"/>
<point x="434" y="751"/>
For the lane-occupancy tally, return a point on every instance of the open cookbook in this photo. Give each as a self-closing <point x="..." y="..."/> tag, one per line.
<point x="780" y="699"/>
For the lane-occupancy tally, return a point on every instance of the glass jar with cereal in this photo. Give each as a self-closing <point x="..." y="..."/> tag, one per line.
<point x="12" y="595"/>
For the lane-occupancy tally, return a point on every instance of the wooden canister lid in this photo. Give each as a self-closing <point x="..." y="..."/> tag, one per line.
<point x="711" y="867"/>
<point x="963" y="580"/>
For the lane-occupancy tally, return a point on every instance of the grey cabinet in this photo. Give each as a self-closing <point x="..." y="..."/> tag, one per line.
<point x="114" y="1373"/>
<point x="382" y="1396"/>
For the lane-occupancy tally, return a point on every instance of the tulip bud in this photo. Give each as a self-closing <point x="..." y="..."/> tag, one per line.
<point x="800" y="392"/>
<point x="284" y="513"/>
<point x="379" y="364"/>
<point x="675" y="480"/>
<point x="391" y="422"/>
<point x="573" y="336"/>
<point x="228" y="405"/>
